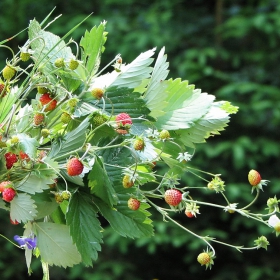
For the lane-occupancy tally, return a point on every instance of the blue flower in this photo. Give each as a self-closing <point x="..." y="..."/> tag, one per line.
<point x="26" y="241"/>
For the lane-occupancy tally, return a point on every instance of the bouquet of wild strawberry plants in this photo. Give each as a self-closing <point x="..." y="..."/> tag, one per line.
<point x="77" y="142"/>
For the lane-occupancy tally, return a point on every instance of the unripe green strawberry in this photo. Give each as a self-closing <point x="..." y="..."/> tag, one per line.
<point x="173" y="197"/>
<point x="164" y="134"/>
<point x="133" y="203"/>
<point x="204" y="258"/>
<point x="73" y="64"/>
<point x="8" y="194"/>
<point x="65" y="195"/>
<point x="98" y="120"/>
<point x="45" y="132"/>
<point x="74" y="167"/>
<point x="47" y="100"/>
<point x="65" y="118"/>
<point x="38" y="119"/>
<point x="97" y="93"/>
<point x="72" y="103"/>
<point x="14" y="140"/>
<point x="8" y="72"/>
<point x="127" y="182"/>
<point x="254" y="177"/>
<point x="58" y="197"/>
<point x="24" y="56"/>
<point x="42" y="90"/>
<point x="59" y="62"/>
<point x="139" y="144"/>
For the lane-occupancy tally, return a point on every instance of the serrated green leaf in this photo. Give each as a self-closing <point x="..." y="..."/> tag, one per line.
<point x="210" y="124"/>
<point x="55" y="245"/>
<point x="84" y="226"/>
<point x="72" y="141"/>
<point x="185" y="106"/>
<point x="126" y="222"/>
<point x="34" y="184"/>
<point x="133" y="74"/>
<point x="45" y="204"/>
<point x="28" y="145"/>
<point x="23" y="208"/>
<point x="100" y="184"/>
<point x="126" y="100"/>
<point x="156" y="94"/>
<point x="92" y="46"/>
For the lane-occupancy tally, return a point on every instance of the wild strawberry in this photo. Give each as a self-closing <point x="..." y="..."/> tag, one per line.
<point x="8" y="72"/>
<point x="15" y="222"/>
<point x="72" y="103"/>
<point x="127" y="182"/>
<point x="97" y="93"/>
<point x="42" y="90"/>
<point x="45" y="132"/>
<point x="5" y="184"/>
<point x="47" y="100"/>
<point x="74" y="167"/>
<point x="59" y="62"/>
<point x="254" y="177"/>
<point x="8" y="194"/>
<point x="139" y="144"/>
<point x="189" y="214"/>
<point x="98" y="120"/>
<point x="3" y="89"/>
<point x="123" y="120"/>
<point x="65" y="195"/>
<point x="173" y="197"/>
<point x="24" y="56"/>
<point x="58" y="197"/>
<point x="204" y="258"/>
<point x="65" y="118"/>
<point x="164" y="134"/>
<point x="122" y="131"/>
<point x="10" y="159"/>
<point x="133" y="203"/>
<point x="24" y="156"/>
<point x="38" y="119"/>
<point x="73" y="64"/>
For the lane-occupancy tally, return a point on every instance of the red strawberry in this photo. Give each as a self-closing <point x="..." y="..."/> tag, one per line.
<point x="254" y="177"/>
<point x="8" y="194"/>
<point x="139" y="144"/>
<point x="38" y="119"/>
<point x="74" y="167"/>
<point x="5" y="184"/>
<point x="2" y="91"/>
<point x="133" y="204"/>
<point x="173" y="197"/>
<point x="189" y="214"/>
<point x="123" y="119"/>
<point x="10" y="159"/>
<point x="204" y="258"/>
<point x="24" y="156"/>
<point x="47" y="100"/>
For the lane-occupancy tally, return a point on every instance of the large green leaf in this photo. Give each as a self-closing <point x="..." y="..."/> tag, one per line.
<point x="55" y="245"/>
<point x="92" y="44"/>
<point x="23" y="208"/>
<point x="28" y="145"/>
<point x="100" y="184"/>
<point x="156" y="94"/>
<point x="185" y="105"/>
<point x="84" y="226"/>
<point x="126" y="222"/>
<point x="72" y="141"/>
<point x="210" y="124"/>
<point x="134" y="73"/>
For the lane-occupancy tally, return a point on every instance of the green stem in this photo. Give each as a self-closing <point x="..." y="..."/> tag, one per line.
<point x="257" y="195"/>
<point x="46" y="274"/>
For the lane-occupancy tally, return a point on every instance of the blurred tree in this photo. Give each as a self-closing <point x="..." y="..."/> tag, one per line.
<point x="227" y="48"/>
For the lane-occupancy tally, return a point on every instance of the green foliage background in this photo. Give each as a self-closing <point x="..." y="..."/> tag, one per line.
<point x="228" y="48"/>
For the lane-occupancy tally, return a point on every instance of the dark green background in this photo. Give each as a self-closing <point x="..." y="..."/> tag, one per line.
<point x="227" y="48"/>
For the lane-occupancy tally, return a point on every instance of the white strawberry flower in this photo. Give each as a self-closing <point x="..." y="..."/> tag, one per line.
<point x="273" y="221"/>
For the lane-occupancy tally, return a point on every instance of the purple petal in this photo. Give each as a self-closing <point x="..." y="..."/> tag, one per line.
<point x="19" y="240"/>
<point x="31" y="242"/>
